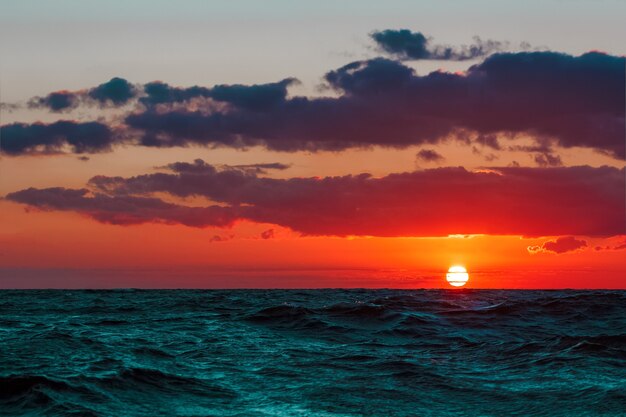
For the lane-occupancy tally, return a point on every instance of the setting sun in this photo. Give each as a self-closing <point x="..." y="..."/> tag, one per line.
<point x="457" y="276"/>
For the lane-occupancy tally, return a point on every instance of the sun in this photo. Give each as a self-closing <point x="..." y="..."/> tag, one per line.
<point x="457" y="276"/>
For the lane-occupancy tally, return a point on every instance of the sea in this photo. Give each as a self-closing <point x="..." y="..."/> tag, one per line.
<point x="312" y="353"/>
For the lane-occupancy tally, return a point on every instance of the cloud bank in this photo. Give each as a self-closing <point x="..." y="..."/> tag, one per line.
<point x="566" y="100"/>
<point x="436" y="202"/>
<point x="553" y="98"/>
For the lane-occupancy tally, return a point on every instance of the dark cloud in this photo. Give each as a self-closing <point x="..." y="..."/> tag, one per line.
<point x="554" y="98"/>
<point x="253" y="97"/>
<point x="429" y="155"/>
<point x="436" y="202"/>
<point x="267" y="234"/>
<point x="259" y="168"/>
<point x="117" y="91"/>
<point x="123" y="210"/>
<point x="548" y="160"/>
<point x="405" y="44"/>
<point x="377" y="76"/>
<point x="57" y="101"/>
<point x="200" y="167"/>
<point x="270" y="165"/>
<point x="489" y="140"/>
<point x="542" y="147"/>
<point x="560" y="245"/>
<point x="490" y="157"/>
<point x="158" y="92"/>
<point x="38" y="138"/>
<point x="218" y="238"/>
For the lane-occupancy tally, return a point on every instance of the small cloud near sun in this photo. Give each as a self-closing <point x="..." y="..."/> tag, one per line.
<point x="620" y="245"/>
<point x="560" y="245"/>
<point x="268" y="234"/>
<point x="218" y="238"/>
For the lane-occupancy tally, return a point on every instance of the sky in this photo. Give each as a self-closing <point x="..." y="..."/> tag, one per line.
<point x="281" y="144"/>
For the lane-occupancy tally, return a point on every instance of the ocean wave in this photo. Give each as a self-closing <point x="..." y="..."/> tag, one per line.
<point x="15" y="386"/>
<point x="348" y="353"/>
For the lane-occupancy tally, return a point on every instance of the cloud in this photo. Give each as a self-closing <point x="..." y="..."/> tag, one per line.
<point x="620" y="245"/>
<point x="57" y="101"/>
<point x="158" y="92"/>
<point x="488" y="140"/>
<point x="490" y="157"/>
<point x="548" y="160"/>
<point x="40" y="138"/>
<point x="560" y="245"/>
<point x="123" y="210"/>
<point x="267" y="234"/>
<point x="436" y="202"/>
<point x="405" y="44"/>
<point x="115" y="92"/>
<point x="255" y="97"/>
<point x="200" y="167"/>
<point x="554" y="98"/>
<point x="9" y="107"/>
<point x="218" y="238"/>
<point x="429" y="155"/>
<point x="118" y="92"/>
<point x="259" y="168"/>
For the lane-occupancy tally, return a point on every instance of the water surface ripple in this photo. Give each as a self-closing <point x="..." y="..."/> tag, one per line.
<point x="312" y="353"/>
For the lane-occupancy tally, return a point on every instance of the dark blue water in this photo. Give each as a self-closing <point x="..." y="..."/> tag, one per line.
<point x="312" y="353"/>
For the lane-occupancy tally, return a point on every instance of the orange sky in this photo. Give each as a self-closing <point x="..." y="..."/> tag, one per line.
<point x="360" y="107"/>
<point x="37" y="242"/>
<point x="182" y="256"/>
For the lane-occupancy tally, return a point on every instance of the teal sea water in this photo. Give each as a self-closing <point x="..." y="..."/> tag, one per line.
<point x="313" y="353"/>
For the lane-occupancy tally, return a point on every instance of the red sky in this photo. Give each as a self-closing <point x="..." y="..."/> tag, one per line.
<point x="385" y="176"/>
